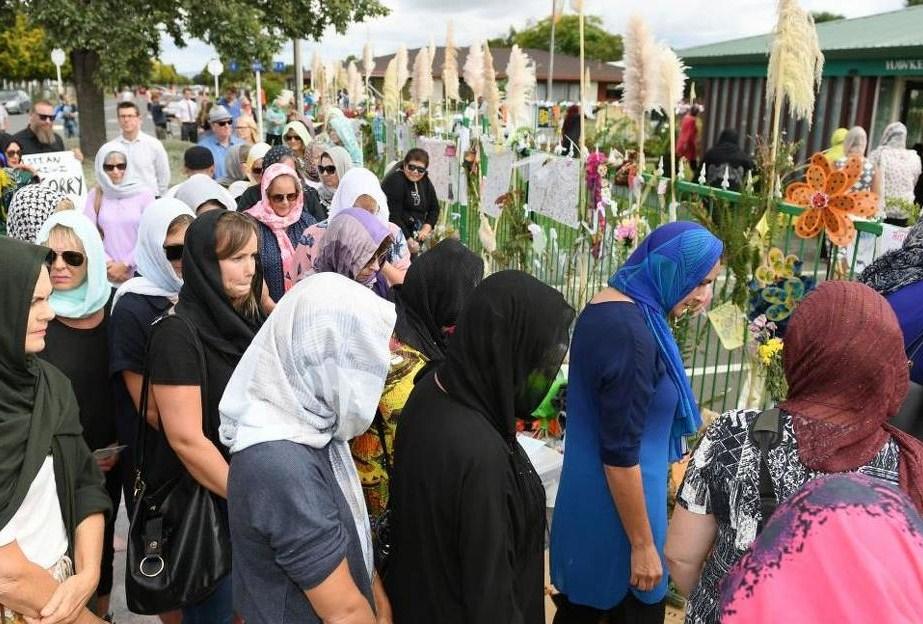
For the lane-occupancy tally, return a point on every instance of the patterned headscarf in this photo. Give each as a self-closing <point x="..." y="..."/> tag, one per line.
<point x="344" y="130"/>
<point x="667" y="266"/>
<point x="29" y="209"/>
<point x="894" y="136"/>
<point x="351" y="240"/>
<point x="813" y="546"/>
<point x="841" y="392"/>
<point x="264" y="213"/>
<point x="897" y="268"/>
<point x="275" y="155"/>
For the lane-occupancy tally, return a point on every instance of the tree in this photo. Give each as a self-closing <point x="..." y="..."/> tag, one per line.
<point x="25" y="53"/>
<point x="911" y="3"/>
<point x="113" y="42"/>
<point x="163" y="74"/>
<point x="599" y="44"/>
<point x="825" y="16"/>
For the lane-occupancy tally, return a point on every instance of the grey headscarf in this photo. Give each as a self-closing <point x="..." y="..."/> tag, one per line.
<point x="200" y="188"/>
<point x="898" y="268"/>
<point x="856" y="141"/>
<point x="233" y="164"/>
<point x="895" y="136"/>
<point x="343" y="162"/>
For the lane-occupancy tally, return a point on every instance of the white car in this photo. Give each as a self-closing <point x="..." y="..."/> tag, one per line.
<point x="16" y="101"/>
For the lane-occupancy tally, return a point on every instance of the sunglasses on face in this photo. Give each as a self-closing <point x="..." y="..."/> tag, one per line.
<point x="45" y="117"/>
<point x="13" y="152"/>
<point x="293" y="137"/>
<point x="173" y="252"/>
<point x="416" y="169"/>
<point x="278" y="198"/>
<point x="71" y="258"/>
<point x="119" y="166"/>
<point x="327" y="169"/>
<point x="223" y="123"/>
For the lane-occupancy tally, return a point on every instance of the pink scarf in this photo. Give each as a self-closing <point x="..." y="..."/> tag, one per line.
<point x="264" y="213"/>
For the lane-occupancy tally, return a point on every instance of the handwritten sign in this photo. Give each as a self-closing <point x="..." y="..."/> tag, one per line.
<point x="62" y="172"/>
<point x="442" y="164"/>
<point x="497" y="182"/>
<point x="729" y="323"/>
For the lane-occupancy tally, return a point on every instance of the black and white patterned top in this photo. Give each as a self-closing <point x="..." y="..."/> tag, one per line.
<point x="864" y="181"/>
<point x="722" y="479"/>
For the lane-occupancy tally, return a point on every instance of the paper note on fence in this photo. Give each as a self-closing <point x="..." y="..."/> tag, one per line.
<point x="729" y="323"/>
<point x="442" y="165"/>
<point x="497" y="182"/>
<point x="62" y="172"/>
<point x="554" y="189"/>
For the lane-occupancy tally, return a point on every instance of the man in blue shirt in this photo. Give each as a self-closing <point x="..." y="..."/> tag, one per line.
<point x="221" y="139"/>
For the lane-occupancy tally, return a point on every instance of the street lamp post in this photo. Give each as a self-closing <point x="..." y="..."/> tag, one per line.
<point x="215" y="67"/>
<point x="58" y="57"/>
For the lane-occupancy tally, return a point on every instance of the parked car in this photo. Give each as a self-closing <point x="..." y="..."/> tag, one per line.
<point x="16" y="101"/>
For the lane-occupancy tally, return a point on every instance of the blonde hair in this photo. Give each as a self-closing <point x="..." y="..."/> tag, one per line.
<point x="68" y="236"/>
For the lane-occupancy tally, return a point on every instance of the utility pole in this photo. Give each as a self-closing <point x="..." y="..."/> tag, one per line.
<point x="299" y="77"/>
<point x="554" y="20"/>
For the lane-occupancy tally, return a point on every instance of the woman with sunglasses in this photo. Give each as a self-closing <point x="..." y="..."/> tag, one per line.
<point x="282" y="220"/>
<point x="115" y="206"/>
<point x="298" y="139"/>
<point x="77" y="344"/>
<point x="356" y="246"/>
<point x="412" y="198"/>
<point x="334" y="163"/>
<point x="19" y="173"/>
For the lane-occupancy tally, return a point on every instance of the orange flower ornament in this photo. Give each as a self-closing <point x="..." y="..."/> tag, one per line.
<point x="829" y="201"/>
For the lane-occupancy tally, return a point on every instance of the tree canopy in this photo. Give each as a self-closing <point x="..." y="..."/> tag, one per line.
<point x="825" y="16"/>
<point x="25" y="52"/>
<point x="599" y="44"/>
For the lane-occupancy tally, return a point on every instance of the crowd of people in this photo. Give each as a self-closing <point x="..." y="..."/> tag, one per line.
<point x="309" y="407"/>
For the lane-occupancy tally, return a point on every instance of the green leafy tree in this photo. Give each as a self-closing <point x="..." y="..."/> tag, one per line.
<point x="911" y="3"/>
<point x="163" y="74"/>
<point x="599" y="44"/>
<point x="25" y="53"/>
<point x="113" y="42"/>
<point x="825" y="16"/>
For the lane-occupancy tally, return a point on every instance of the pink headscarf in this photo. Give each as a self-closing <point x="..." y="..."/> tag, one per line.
<point x="264" y="213"/>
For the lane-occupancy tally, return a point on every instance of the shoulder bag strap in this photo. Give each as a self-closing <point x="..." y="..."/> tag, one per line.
<point x="766" y="434"/>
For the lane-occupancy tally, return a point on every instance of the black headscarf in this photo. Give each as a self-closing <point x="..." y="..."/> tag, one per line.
<point x="435" y="288"/>
<point x="37" y="405"/>
<point x="202" y="300"/>
<point x="727" y="151"/>
<point x="275" y="154"/>
<point x="509" y="343"/>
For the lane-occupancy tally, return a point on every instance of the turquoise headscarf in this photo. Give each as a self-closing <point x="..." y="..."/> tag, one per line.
<point x="95" y="290"/>
<point x="665" y="268"/>
<point x="344" y="129"/>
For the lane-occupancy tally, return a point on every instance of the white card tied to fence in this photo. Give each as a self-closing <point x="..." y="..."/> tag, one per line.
<point x="443" y="166"/>
<point x="496" y="183"/>
<point x="62" y="172"/>
<point x="554" y="189"/>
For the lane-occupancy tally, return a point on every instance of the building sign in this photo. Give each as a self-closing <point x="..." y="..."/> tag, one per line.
<point x="904" y="66"/>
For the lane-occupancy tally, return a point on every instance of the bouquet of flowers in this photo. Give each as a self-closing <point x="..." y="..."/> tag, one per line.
<point x="765" y="348"/>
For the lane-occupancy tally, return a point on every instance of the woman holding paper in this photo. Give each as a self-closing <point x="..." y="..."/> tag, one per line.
<point x="78" y="346"/>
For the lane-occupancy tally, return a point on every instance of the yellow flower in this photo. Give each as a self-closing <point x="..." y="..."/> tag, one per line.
<point x="768" y="351"/>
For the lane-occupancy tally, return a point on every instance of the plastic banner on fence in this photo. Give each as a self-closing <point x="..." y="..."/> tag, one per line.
<point x="60" y="171"/>
<point x="443" y="163"/>
<point x="892" y="237"/>
<point x="554" y="189"/>
<point x="497" y="181"/>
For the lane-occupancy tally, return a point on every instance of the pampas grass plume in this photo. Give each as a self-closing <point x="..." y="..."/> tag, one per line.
<point x="672" y="78"/>
<point x="403" y="73"/>
<point x="368" y="60"/>
<point x="520" y="88"/>
<point x="795" y="60"/>
<point x="450" y="66"/>
<point x="422" y="86"/>
<point x="390" y="92"/>
<point x="491" y="92"/>
<point x="639" y="84"/>
<point x="473" y="71"/>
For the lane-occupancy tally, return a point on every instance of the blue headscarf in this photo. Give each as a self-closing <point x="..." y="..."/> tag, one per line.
<point x="665" y="268"/>
<point x="344" y="129"/>
<point x="93" y="294"/>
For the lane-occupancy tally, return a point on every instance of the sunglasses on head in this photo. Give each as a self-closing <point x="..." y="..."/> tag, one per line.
<point x="226" y="122"/>
<point x="119" y="166"/>
<point x="327" y="169"/>
<point x="71" y="258"/>
<point x="45" y="117"/>
<point x="293" y="137"/>
<point x="173" y="252"/>
<point x="416" y="168"/>
<point x="277" y="198"/>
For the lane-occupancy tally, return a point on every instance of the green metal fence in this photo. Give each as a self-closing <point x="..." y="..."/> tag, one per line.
<point x="720" y="378"/>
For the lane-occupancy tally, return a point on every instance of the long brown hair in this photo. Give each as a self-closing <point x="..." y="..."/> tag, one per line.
<point x="232" y="232"/>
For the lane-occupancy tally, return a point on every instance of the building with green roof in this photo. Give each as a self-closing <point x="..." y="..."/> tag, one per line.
<point x="873" y="75"/>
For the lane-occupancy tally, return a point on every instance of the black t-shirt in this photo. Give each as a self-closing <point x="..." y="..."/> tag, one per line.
<point x="411" y="204"/>
<point x="31" y="145"/>
<point x="83" y="356"/>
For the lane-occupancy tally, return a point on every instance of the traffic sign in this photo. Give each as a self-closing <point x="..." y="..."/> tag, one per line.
<point x="233" y="66"/>
<point x="278" y="66"/>
<point x="257" y="66"/>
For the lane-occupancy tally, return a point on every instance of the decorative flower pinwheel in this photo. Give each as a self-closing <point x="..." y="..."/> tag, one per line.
<point x="829" y="201"/>
<point x="777" y="266"/>
<point x="783" y="298"/>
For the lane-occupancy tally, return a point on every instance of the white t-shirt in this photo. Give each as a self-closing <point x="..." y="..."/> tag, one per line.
<point x="38" y="526"/>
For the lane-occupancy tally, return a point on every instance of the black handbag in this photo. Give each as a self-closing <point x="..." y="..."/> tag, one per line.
<point x="178" y="539"/>
<point x="381" y="532"/>
<point x="910" y="417"/>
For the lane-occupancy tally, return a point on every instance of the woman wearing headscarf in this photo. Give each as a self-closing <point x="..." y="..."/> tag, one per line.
<point x="727" y="156"/>
<point x="899" y="169"/>
<point x="215" y="319"/>
<point x="358" y="189"/>
<point x="282" y="221"/>
<point x="334" y="163"/>
<point x="855" y="143"/>
<point x="201" y="193"/>
<point x="298" y="139"/>
<point x="78" y="346"/>
<point x="898" y="276"/>
<point x="629" y="408"/>
<point x="253" y="168"/>
<point x="234" y="164"/>
<point x="813" y="546"/>
<point x="299" y="529"/>
<point x="278" y="154"/>
<point x="837" y="150"/>
<point x="428" y="303"/>
<point x="468" y="509"/>
<point x="687" y="145"/>
<point x="340" y="131"/>
<point x="52" y="501"/>
<point x="114" y="206"/>
<point x="30" y="208"/>
<point x="356" y="245"/>
<point x="835" y="419"/>
<point x="14" y="174"/>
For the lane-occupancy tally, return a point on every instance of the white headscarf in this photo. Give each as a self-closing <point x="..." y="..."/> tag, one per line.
<point x="321" y="390"/>
<point x="158" y="279"/>
<point x="894" y="136"/>
<point x="856" y="141"/>
<point x="200" y="188"/>
<point x="129" y="186"/>
<point x="355" y="182"/>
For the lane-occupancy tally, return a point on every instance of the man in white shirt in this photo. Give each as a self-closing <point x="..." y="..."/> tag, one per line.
<point x="147" y="158"/>
<point x="4" y="119"/>
<point x="187" y="112"/>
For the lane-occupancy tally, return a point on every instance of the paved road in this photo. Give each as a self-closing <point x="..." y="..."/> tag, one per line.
<point x="18" y="122"/>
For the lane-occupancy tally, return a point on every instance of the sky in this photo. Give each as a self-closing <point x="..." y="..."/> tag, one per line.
<point x="680" y="23"/>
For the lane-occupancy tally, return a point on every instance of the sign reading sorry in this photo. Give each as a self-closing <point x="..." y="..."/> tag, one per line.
<point x="62" y="172"/>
